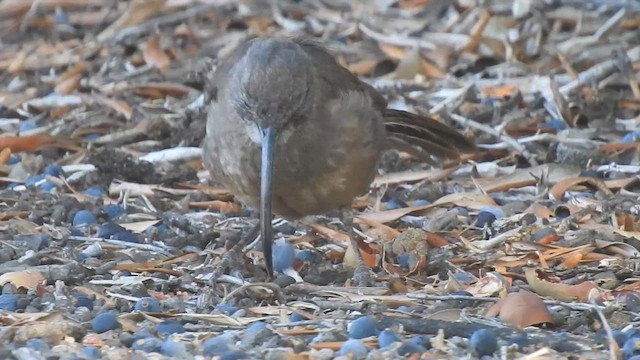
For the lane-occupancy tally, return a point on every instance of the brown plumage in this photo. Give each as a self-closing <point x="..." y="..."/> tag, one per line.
<point x="291" y="131"/>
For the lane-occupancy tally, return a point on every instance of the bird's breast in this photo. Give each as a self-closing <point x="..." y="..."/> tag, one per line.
<point x="321" y="163"/>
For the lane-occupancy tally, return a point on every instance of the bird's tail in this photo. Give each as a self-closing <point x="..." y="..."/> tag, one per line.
<point x="423" y="137"/>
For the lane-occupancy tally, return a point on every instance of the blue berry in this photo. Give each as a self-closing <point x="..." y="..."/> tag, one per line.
<point x="362" y="327"/>
<point x="34" y="180"/>
<point x="226" y="308"/>
<point x="38" y="344"/>
<point x="53" y="170"/>
<point x="631" y="347"/>
<point x="108" y="229"/>
<point x="255" y="327"/>
<point x="485" y="218"/>
<point x="13" y="160"/>
<point x="28" y="125"/>
<point x="147" y="304"/>
<point x="355" y="348"/>
<point x="387" y="337"/>
<point x="403" y="260"/>
<point x="91" y="352"/>
<point x="483" y="342"/>
<point x="127" y="236"/>
<point x="173" y="348"/>
<point x="46" y="186"/>
<point x="305" y="255"/>
<point x="9" y="302"/>
<point x="283" y="255"/>
<point x="150" y="344"/>
<point x="104" y="322"/>
<point x="83" y="301"/>
<point x="556" y="124"/>
<point x="421" y="202"/>
<point x="631" y="137"/>
<point x="395" y="204"/>
<point x="217" y="345"/>
<point x="94" y="192"/>
<point x="83" y="218"/>
<point x="295" y="317"/>
<point x="113" y="211"/>
<point x="421" y="340"/>
<point x="169" y="327"/>
<point x="234" y="355"/>
<point x="409" y="348"/>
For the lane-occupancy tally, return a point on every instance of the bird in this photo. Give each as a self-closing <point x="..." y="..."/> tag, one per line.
<point x="291" y="132"/>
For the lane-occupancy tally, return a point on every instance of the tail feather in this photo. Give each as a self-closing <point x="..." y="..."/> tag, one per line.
<point x="424" y="137"/>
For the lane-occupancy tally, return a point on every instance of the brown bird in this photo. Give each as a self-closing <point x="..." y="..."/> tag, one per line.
<point x="293" y="132"/>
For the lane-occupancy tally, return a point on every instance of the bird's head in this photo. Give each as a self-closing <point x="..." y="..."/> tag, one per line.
<point x="272" y="84"/>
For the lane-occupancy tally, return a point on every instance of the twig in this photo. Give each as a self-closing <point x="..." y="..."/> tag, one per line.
<point x="505" y="138"/>
<point x="598" y="72"/>
<point x="124" y="244"/>
<point x="610" y="339"/>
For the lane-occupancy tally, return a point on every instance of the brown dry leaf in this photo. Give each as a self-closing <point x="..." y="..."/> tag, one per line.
<point x="363" y="67"/>
<point x="78" y="69"/>
<point x="68" y="85"/>
<point x="391" y="215"/>
<point x="137" y="12"/>
<point x="617" y="248"/>
<point x="487" y="286"/>
<point x="499" y="91"/>
<point x="558" y="291"/>
<point x="160" y="90"/>
<point x="221" y="206"/>
<point x="119" y="106"/>
<point x="154" y="55"/>
<point x="26" y="143"/>
<point x="432" y="175"/>
<point x="559" y="189"/>
<point x="446" y="315"/>
<point x="470" y="200"/>
<point x="432" y="70"/>
<point x="521" y="309"/>
<point x="540" y="211"/>
<point x="393" y="52"/>
<point x="27" y="279"/>
<point x="529" y="176"/>
<point x="436" y="240"/>
<point x="573" y="260"/>
<point x="17" y="64"/>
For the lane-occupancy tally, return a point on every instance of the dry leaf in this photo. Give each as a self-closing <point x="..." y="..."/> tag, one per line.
<point x="154" y="55"/>
<point x="27" y="279"/>
<point x="558" y="291"/>
<point x="521" y="309"/>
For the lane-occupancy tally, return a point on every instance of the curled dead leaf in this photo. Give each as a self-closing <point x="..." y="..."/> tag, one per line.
<point x="559" y="189"/>
<point x="563" y="292"/>
<point x="521" y="309"/>
<point x="27" y="279"/>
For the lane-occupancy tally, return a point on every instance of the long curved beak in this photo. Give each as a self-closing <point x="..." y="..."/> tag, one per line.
<point x="269" y="137"/>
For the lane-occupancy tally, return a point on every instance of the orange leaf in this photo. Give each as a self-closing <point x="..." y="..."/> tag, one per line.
<point x="558" y="190"/>
<point x="154" y="55"/>
<point x="68" y="85"/>
<point x="25" y="143"/>
<point x="5" y="153"/>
